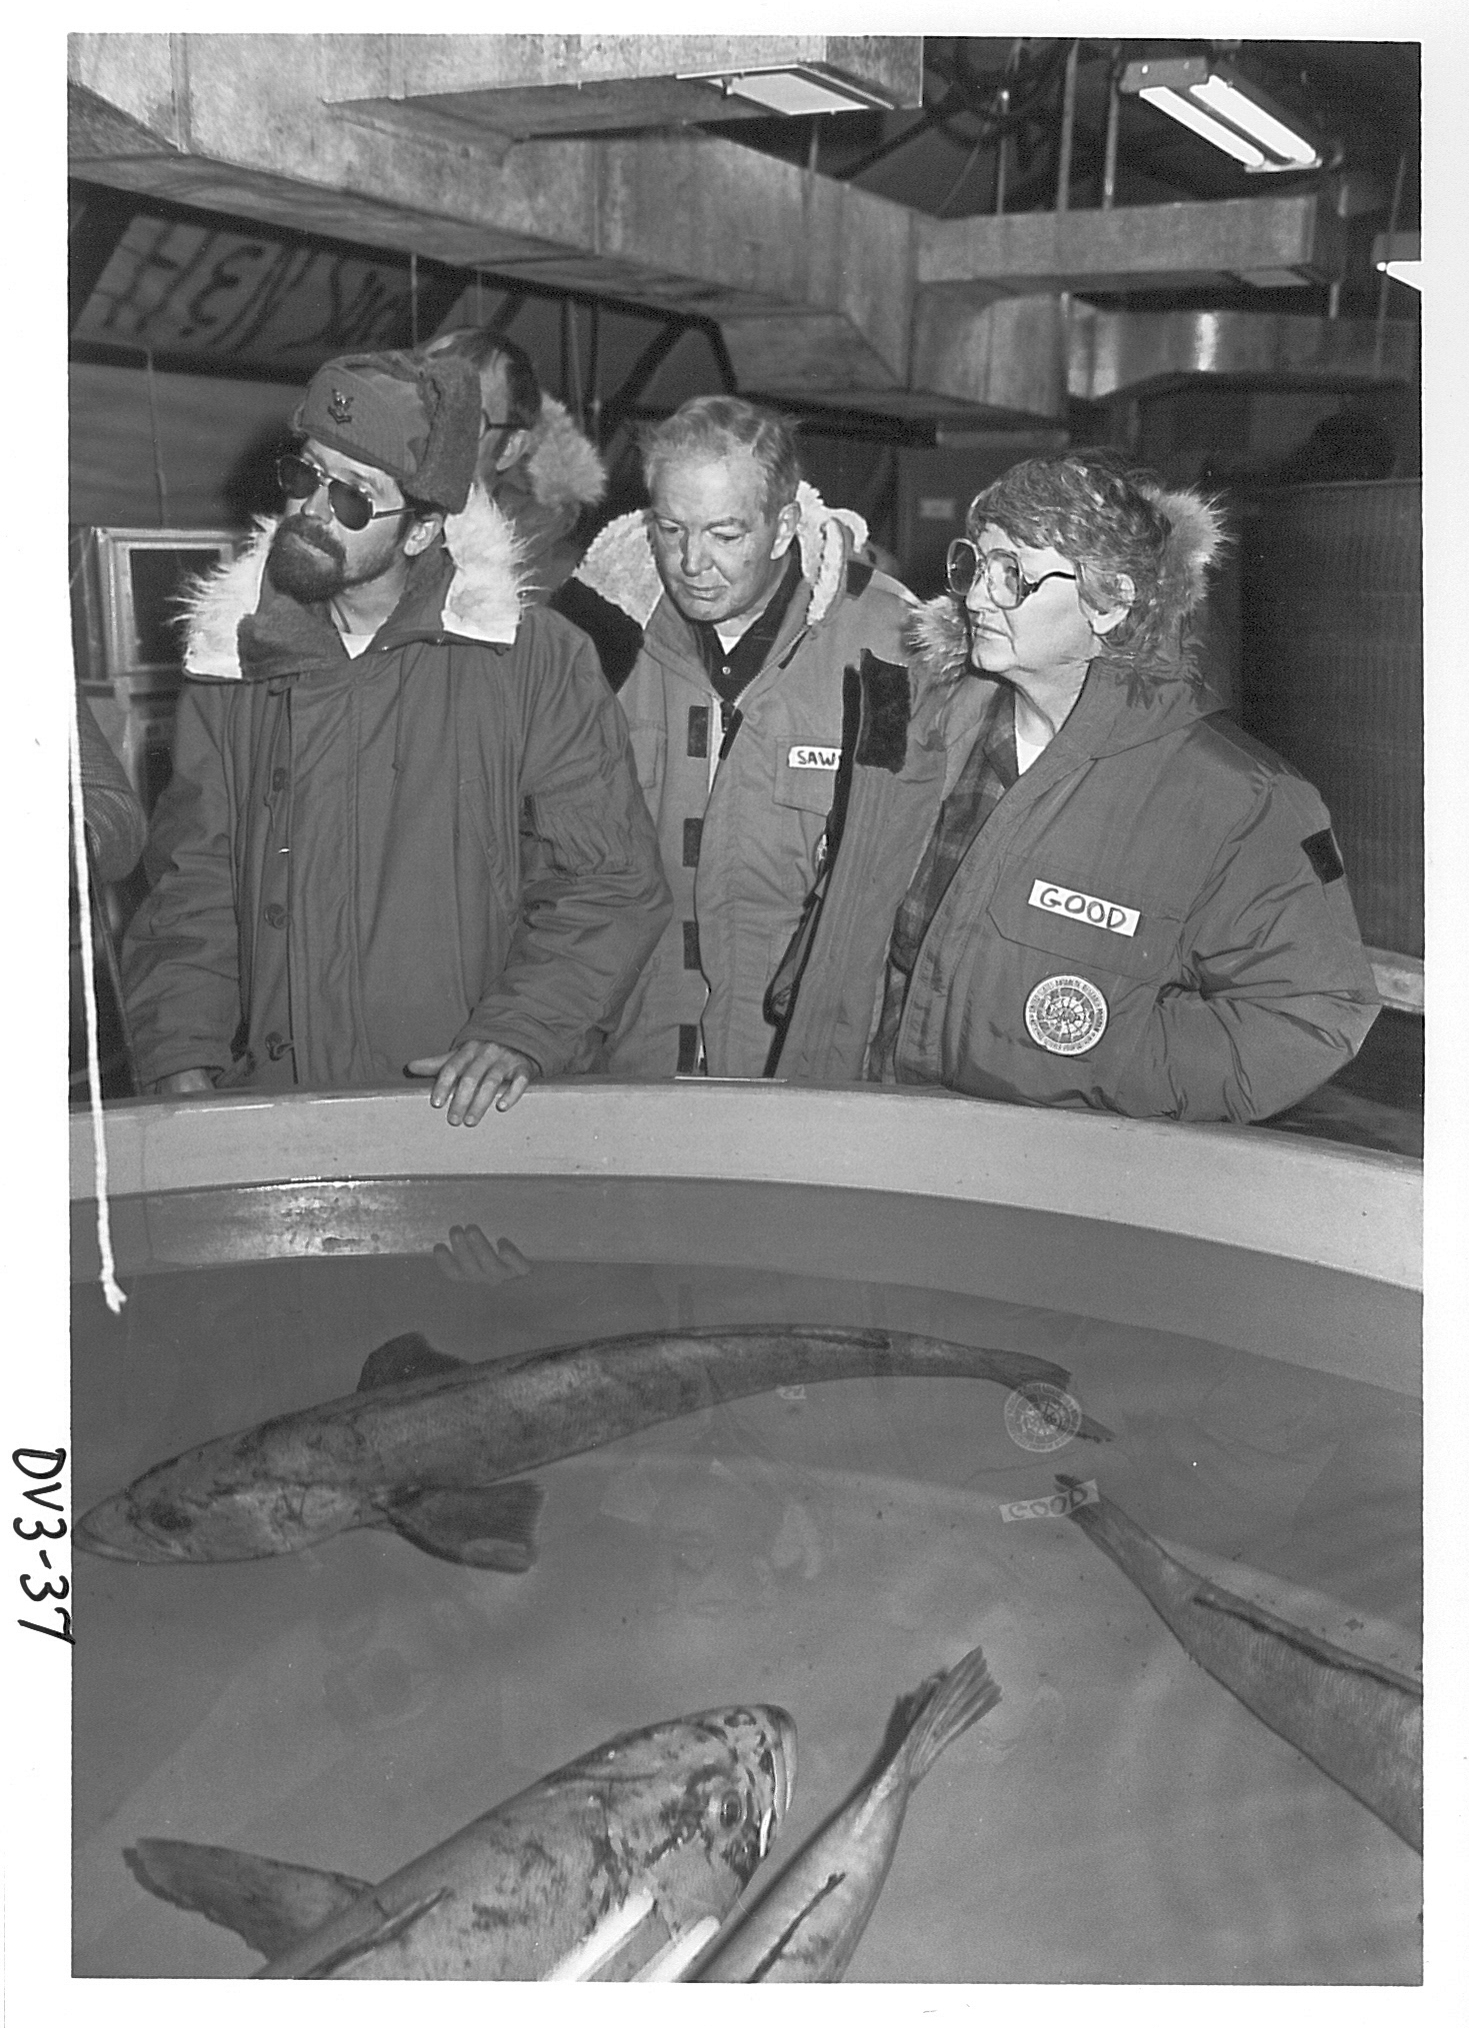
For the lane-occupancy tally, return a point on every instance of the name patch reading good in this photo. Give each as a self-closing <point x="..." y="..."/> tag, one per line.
<point x="1087" y="908"/>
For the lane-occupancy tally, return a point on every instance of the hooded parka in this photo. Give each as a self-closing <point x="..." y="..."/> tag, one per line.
<point x="545" y="493"/>
<point x="1152" y="921"/>
<point x="740" y="798"/>
<point x="336" y="862"/>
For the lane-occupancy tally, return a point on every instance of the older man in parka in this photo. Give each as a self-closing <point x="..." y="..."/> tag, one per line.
<point x="373" y="720"/>
<point x="739" y="630"/>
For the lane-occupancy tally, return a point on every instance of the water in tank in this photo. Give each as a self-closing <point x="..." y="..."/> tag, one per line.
<point x="821" y="1546"/>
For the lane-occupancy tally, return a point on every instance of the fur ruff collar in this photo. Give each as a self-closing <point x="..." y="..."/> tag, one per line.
<point x="483" y="603"/>
<point x="620" y="565"/>
<point x="936" y="637"/>
<point x="562" y="466"/>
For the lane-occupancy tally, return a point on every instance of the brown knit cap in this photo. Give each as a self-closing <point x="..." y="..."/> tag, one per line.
<point x="415" y="419"/>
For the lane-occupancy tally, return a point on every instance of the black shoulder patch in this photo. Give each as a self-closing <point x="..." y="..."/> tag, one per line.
<point x="882" y="740"/>
<point x="1320" y="849"/>
<point x="616" y="636"/>
<point x="859" y="577"/>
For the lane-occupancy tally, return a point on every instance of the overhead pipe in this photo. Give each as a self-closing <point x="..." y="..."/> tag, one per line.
<point x="1114" y="107"/>
<point x="1068" y="129"/>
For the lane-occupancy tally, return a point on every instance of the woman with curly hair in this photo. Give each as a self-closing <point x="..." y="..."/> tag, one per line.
<point x="1056" y="872"/>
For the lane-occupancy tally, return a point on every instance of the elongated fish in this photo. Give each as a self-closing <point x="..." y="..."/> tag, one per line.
<point x="620" y="1865"/>
<point x="1361" y="1723"/>
<point x="807" y="1924"/>
<point x="432" y="1447"/>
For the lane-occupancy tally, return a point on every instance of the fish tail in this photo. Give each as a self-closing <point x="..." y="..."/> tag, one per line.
<point x="946" y="1705"/>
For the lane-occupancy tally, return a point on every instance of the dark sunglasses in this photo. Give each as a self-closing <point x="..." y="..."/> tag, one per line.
<point x="302" y="480"/>
<point x="1004" y="580"/>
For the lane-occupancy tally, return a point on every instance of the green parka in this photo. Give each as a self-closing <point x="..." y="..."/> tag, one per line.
<point x="1153" y="920"/>
<point x="336" y="863"/>
<point x="740" y="814"/>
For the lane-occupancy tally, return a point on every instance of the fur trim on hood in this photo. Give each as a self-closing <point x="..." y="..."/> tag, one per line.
<point x="938" y="635"/>
<point x="936" y="638"/>
<point x="483" y="602"/>
<point x="1196" y="535"/>
<point x="562" y="465"/>
<point x="620" y="565"/>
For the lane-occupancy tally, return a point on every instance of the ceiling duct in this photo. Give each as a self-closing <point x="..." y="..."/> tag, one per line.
<point x="523" y="86"/>
<point x="1272" y="241"/>
<point x="823" y="291"/>
<point x="1114" y="352"/>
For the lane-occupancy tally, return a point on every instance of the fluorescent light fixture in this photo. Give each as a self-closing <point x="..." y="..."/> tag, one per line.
<point x="793" y="91"/>
<point x="1224" y="109"/>
<point x="1399" y="254"/>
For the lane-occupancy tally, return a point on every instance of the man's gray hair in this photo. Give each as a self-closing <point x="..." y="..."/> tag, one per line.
<point x="713" y="425"/>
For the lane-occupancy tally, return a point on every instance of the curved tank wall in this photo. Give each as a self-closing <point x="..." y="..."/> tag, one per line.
<point x="1237" y="1317"/>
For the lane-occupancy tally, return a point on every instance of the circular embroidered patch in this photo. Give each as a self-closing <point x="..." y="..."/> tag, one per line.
<point x="1066" y="1014"/>
<point x="1040" y="1417"/>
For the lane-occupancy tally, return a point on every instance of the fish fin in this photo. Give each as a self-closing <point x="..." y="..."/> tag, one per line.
<point x="409" y="1357"/>
<point x="272" y="1905"/>
<point x="490" y="1527"/>
<point x="385" y="1932"/>
<point x="947" y="1705"/>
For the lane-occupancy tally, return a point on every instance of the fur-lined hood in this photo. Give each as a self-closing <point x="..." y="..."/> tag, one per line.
<point x="486" y="591"/>
<point x="1154" y="650"/>
<point x="620" y="565"/>
<point x="563" y="467"/>
<point x="1150" y="694"/>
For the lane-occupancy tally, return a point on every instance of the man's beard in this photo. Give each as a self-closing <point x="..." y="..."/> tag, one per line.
<point x="306" y="562"/>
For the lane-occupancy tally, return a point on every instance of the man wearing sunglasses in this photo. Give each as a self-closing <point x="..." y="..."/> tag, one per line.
<point x="379" y="732"/>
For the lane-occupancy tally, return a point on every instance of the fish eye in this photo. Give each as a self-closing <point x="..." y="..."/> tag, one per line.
<point x="172" y="1520"/>
<point x="731" y="1811"/>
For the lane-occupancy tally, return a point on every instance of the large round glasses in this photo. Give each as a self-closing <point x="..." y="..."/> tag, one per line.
<point x="301" y="479"/>
<point x="1004" y="580"/>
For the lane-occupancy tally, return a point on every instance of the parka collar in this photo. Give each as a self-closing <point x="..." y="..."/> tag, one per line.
<point x="620" y="565"/>
<point x="471" y="585"/>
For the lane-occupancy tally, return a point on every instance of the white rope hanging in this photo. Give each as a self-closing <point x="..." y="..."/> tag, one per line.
<point x="110" y="1289"/>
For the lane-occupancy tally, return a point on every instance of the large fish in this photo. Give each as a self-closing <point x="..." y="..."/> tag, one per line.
<point x="807" y="1925"/>
<point x="620" y="1865"/>
<point x="433" y="1447"/>
<point x="1361" y="1723"/>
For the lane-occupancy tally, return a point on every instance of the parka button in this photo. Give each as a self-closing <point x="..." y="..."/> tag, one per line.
<point x="275" y="915"/>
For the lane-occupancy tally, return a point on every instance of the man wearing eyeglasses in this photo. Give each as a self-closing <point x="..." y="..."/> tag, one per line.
<point x="376" y="732"/>
<point x="540" y="470"/>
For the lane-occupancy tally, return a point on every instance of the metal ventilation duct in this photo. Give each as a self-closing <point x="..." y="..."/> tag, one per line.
<point x="822" y="290"/>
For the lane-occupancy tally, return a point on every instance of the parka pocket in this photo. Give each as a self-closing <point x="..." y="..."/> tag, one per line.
<point x="1130" y="935"/>
<point x="805" y="774"/>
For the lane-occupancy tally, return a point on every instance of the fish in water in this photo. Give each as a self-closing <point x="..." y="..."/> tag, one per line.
<point x="620" y="1865"/>
<point x="806" y="1926"/>
<point x="1361" y="1723"/>
<point x="433" y="1447"/>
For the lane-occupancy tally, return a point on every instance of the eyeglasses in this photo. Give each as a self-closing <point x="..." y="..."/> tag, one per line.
<point x="1004" y="580"/>
<point x="488" y="423"/>
<point x="302" y="480"/>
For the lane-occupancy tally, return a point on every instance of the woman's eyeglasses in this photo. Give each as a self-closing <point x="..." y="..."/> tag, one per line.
<point x="302" y="480"/>
<point x="1004" y="580"/>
